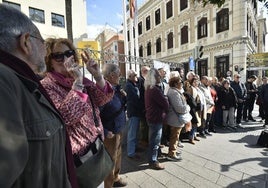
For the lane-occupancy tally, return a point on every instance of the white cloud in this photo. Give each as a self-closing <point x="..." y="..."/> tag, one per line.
<point x="94" y="29"/>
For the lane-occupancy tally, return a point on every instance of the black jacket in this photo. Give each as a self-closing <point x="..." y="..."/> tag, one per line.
<point x="240" y="89"/>
<point x="227" y="98"/>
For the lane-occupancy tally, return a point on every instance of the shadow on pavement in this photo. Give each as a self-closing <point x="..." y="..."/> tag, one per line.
<point x="250" y="140"/>
<point x="259" y="181"/>
<point x="253" y="181"/>
<point x="131" y="165"/>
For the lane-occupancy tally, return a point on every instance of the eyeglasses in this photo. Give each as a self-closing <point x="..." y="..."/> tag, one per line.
<point x="59" y="57"/>
<point x="42" y="40"/>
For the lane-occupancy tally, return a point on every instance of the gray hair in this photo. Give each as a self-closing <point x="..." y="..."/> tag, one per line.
<point x="150" y="80"/>
<point x="130" y="72"/>
<point x="190" y="73"/>
<point x="13" y="23"/>
<point x="109" y="68"/>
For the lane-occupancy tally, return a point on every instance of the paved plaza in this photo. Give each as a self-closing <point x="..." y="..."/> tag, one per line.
<point x="226" y="159"/>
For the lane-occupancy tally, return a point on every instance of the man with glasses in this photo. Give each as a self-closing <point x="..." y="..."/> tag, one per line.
<point x="32" y="135"/>
<point x="241" y="93"/>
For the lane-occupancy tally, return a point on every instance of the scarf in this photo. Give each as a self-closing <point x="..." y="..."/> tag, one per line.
<point x="67" y="82"/>
<point x="23" y="69"/>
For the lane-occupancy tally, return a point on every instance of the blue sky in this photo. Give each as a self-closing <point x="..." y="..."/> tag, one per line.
<point x="104" y="12"/>
<point x="101" y="13"/>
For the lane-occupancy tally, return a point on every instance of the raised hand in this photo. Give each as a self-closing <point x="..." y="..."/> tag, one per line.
<point x="73" y="69"/>
<point x="91" y="65"/>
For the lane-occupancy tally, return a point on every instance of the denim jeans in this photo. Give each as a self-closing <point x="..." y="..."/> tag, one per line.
<point x="155" y="134"/>
<point x="132" y="135"/>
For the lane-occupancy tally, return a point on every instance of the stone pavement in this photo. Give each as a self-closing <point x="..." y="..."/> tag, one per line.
<point x="226" y="159"/>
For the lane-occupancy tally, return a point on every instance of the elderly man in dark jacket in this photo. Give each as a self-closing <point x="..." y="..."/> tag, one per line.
<point x="33" y="135"/>
<point x="113" y="118"/>
<point x="241" y="93"/>
<point x="134" y="113"/>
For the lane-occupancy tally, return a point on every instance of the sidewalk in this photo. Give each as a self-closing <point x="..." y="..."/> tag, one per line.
<point x="226" y="159"/>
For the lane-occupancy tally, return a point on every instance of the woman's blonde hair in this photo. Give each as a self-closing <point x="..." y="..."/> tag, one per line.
<point x="50" y="45"/>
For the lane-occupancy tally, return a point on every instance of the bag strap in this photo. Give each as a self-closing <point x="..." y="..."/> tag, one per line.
<point x="94" y="112"/>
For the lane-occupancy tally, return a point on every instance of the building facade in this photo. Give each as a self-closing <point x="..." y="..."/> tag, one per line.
<point x="50" y="17"/>
<point x="114" y="52"/>
<point x="177" y="30"/>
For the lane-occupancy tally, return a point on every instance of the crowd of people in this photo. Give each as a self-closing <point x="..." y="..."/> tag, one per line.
<point x="52" y="122"/>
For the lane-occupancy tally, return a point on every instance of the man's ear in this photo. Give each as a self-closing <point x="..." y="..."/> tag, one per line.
<point x="25" y="43"/>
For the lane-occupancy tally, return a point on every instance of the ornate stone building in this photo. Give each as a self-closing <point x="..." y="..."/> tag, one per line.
<point x="175" y="30"/>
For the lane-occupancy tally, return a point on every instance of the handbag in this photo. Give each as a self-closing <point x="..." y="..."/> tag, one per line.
<point x="94" y="170"/>
<point x="184" y="118"/>
<point x="96" y="164"/>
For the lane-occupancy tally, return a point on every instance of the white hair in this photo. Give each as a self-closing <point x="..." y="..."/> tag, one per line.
<point x="174" y="74"/>
<point x="190" y="73"/>
<point x="150" y="81"/>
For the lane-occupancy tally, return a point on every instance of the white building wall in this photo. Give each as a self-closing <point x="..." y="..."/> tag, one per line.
<point x="57" y="7"/>
<point x="79" y="20"/>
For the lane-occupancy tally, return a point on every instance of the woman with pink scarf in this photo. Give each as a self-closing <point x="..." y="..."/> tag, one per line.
<point x="77" y="98"/>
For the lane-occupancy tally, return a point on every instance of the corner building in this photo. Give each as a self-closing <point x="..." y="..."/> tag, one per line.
<point x="175" y="30"/>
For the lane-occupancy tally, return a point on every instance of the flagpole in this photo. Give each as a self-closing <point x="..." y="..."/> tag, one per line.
<point x="131" y="36"/>
<point x="137" y="67"/>
<point x="125" y="34"/>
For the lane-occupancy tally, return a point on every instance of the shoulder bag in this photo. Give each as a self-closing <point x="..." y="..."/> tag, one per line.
<point x="96" y="164"/>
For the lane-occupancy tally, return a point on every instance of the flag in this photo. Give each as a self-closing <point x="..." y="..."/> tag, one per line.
<point x="132" y="8"/>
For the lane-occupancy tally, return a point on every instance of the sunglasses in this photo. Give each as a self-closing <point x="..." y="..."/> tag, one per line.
<point x="59" y="57"/>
